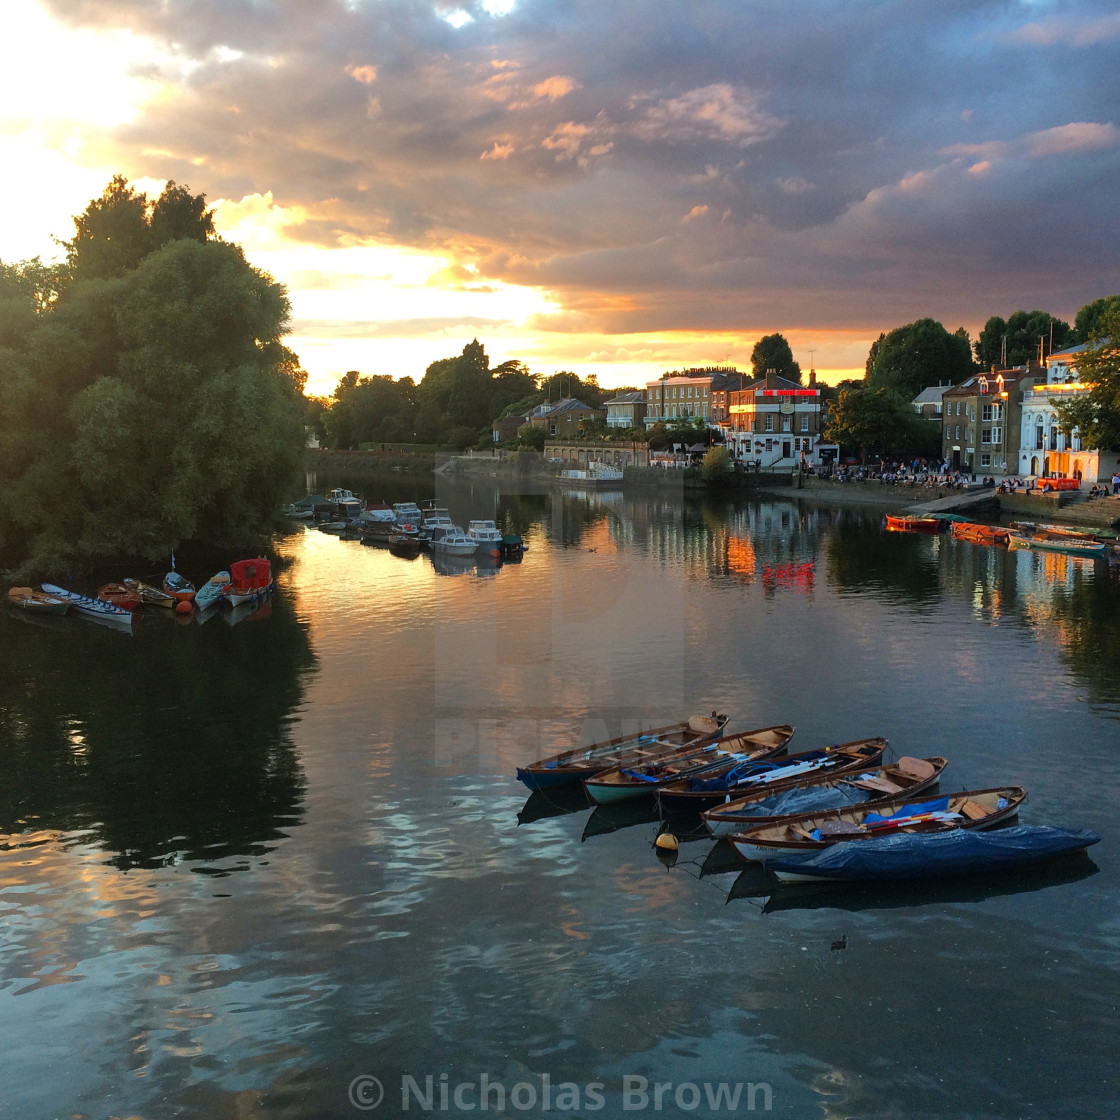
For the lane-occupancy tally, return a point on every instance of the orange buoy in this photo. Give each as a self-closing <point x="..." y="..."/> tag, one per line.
<point x="184" y="606"/>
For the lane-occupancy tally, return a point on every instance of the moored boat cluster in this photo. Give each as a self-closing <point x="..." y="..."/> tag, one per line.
<point x="246" y="583"/>
<point x="406" y="528"/>
<point x="1076" y="540"/>
<point x="838" y="812"/>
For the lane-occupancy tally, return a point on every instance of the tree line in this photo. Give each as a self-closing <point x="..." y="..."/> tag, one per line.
<point x="146" y="397"/>
<point x="875" y="414"/>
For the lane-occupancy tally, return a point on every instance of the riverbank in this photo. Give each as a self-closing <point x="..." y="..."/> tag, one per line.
<point x="1029" y="505"/>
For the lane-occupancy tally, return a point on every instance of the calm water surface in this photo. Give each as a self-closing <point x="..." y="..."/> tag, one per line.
<point x="249" y="867"/>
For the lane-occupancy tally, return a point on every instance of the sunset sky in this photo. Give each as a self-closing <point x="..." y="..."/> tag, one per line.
<point x="617" y="188"/>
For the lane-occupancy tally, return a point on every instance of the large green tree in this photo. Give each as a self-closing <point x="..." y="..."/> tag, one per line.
<point x="875" y="419"/>
<point x="1097" y="415"/>
<point x="923" y="353"/>
<point x="772" y="351"/>
<point x="370" y="410"/>
<point x="153" y="401"/>
<point x="1088" y="324"/>
<point x="1024" y="336"/>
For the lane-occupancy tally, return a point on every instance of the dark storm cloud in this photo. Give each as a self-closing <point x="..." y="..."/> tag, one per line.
<point x="665" y="164"/>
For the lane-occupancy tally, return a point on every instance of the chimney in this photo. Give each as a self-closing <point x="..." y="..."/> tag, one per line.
<point x="771" y="378"/>
<point x="812" y="379"/>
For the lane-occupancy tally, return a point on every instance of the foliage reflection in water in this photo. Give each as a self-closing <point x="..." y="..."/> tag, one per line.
<point x="402" y="909"/>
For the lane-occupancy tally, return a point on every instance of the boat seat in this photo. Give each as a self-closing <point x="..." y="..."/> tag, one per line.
<point x="916" y="767"/>
<point x="880" y="785"/>
<point x="973" y="811"/>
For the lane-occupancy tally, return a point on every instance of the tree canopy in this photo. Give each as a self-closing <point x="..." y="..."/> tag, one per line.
<point x="923" y="353"/>
<point x="1097" y="415"/>
<point x="1025" y="336"/>
<point x="1089" y="323"/>
<point x="879" y="419"/>
<point x="151" y="401"/>
<point x="772" y="351"/>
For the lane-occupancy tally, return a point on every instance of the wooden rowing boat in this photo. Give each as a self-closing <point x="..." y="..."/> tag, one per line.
<point x="977" y="533"/>
<point x="738" y="778"/>
<point x="585" y="762"/>
<point x="120" y="595"/>
<point x="36" y="602"/>
<point x="1074" y="546"/>
<point x="96" y="610"/>
<point x="905" y="778"/>
<point x="150" y="595"/>
<point x="638" y="778"/>
<point x="813" y="831"/>
<point x="898" y="524"/>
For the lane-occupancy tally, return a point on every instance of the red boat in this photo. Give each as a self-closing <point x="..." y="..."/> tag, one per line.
<point x="979" y="534"/>
<point x="120" y="596"/>
<point x="916" y="524"/>
<point x="249" y="580"/>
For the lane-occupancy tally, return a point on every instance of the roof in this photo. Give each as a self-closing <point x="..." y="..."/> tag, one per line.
<point x="932" y="394"/>
<point x="1071" y="351"/>
<point x="567" y="405"/>
<point x="780" y="382"/>
<point x="637" y="397"/>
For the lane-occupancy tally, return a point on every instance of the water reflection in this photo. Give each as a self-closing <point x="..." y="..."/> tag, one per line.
<point x="171" y="746"/>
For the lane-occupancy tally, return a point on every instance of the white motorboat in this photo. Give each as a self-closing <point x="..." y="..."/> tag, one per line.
<point x="487" y="537"/>
<point x="345" y="502"/>
<point x="454" y="542"/>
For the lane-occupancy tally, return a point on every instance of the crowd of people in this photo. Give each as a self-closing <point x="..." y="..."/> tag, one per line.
<point x="918" y="472"/>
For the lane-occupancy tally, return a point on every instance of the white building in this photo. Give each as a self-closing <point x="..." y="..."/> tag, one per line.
<point x="1044" y="449"/>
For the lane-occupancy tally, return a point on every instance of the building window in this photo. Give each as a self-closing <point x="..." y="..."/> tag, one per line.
<point x="985" y="460"/>
<point x="787" y="425"/>
<point x="986" y="413"/>
<point x="958" y="435"/>
<point x="958" y="408"/>
<point x="769" y="424"/>
<point x="1038" y="437"/>
<point x="1053" y="439"/>
<point x="997" y="435"/>
<point x="985" y="435"/>
<point x="805" y="422"/>
<point x="997" y="412"/>
<point x="937" y="410"/>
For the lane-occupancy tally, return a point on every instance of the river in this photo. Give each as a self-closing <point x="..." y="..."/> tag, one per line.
<point x="283" y="868"/>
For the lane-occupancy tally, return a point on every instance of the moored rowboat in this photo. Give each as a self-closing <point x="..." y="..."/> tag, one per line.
<point x="1075" y="546"/>
<point x="697" y="793"/>
<point x="210" y="593"/>
<point x="585" y="762"/>
<point x="813" y="831"/>
<point x="94" y="609"/>
<point x="979" y="534"/>
<point x="149" y="594"/>
<point x="120" y="595"/>
<point x="897" y="524"/>
<point x="36" y="602"/>
<point x="905" y="778"/>
<point x="637" y="778"/>
<point x="926" y="855"/>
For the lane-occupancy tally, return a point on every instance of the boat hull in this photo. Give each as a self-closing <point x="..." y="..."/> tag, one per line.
<point x="576" y="765"/>
<point x="900" y="779"/>
<point x="643" y="778"/>
<point x="806" y="834"/>
<point x="844" y="758"/>
<point x="933" y="855"/>
<point x="37" y="602"/>
<point x="93" y="609"/>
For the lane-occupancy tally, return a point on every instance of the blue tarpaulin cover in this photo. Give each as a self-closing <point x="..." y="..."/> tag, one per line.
<point x="918" y="855"/>
<point x="910" y="809"/>
<point x="810" y="799"/>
